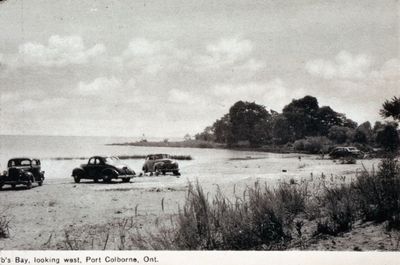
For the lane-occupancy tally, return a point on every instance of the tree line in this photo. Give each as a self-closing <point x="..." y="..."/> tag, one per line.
<point x="302" y="122"/>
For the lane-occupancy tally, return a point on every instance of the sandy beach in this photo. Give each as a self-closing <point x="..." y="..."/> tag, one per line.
<point x="42" y="217"/>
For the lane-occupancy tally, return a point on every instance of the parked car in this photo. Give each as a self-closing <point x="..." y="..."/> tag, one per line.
<point x="340" y="152"/>
<point x="103" y="168"/>
<point x="160" y="163"/>
<point x="25" y="171"/>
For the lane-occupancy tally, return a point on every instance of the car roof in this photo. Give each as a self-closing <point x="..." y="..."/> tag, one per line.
<point x="23" y="158"/>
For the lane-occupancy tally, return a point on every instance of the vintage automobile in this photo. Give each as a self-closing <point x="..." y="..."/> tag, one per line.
<point x="103" y="168"/>
<point x="340" y="152"/>
<point x="160" y="163"/>
<point x="25" y="171"/>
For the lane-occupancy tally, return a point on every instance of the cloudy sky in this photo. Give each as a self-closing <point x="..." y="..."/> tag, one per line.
<point x="167" y="68"/>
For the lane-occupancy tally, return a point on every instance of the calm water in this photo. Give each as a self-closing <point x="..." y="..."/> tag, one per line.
<point x="225" y="168"/>
<point x="211" y="162"/>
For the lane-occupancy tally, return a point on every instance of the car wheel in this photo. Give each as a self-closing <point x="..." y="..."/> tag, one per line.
<point x="13" y="186"/>
<point x="163" y="172"/>
<point x="77" y="179"/>
<point x="126" y="180"/>
<point x="96" y="180"/>
<point x="106" y="179"/>
<point x="29" y="184"/>
<point x="176" y="173"/>
<point x="40" y="183"/>
<point x="1" y="186"/>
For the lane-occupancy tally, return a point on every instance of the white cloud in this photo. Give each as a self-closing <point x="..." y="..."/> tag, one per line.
<point x="344" y="66"/>
<point x="273" y="94"/>
<point x="153" y="56"/>
<point x="230" y="49"/>
<point x="49" y="104"/>
<point x="179" y="96"/>
<point x="100" y="85"/>
<point x="59" y="51"/>
<point x="228" y="52"/>
<point x="362" y="98"/>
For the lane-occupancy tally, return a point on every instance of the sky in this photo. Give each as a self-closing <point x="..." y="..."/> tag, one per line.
<point x="167" y="68"/>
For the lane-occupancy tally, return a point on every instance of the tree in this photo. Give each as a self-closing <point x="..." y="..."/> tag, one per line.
<point x="206" y="135"/>
<point x="223" y="129"/>
<point x="187" y="137"/>
<point x="388" y="137"/>
<point x="363" y="133"/>
<point x="391" y="108"/>
<point x="302" y="115"/>
<point x="327" y="118"/>
<point x="340" y="134"/>
<point x="282" y="132"/>
<point x="247" y="119"/>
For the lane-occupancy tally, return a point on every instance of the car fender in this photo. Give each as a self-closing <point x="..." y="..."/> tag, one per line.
<point x="79" y="172"/>
<point x="29" y="175"/>
<point x="110" y="172"/>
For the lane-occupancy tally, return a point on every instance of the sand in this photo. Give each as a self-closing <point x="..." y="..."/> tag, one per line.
<point x="41" y="216"/>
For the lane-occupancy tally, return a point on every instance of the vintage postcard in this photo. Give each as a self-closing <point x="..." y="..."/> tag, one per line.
<point x="148" y="131"/>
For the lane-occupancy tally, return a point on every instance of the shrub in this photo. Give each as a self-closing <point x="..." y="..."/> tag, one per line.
<point x="261" y="219"/>
<point x="379" y="192"/>
<point x="4" y="225"/>
<point x="313" y="145"/>
<point x="339" y="210"/>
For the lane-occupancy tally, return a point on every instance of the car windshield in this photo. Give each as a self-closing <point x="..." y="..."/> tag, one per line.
<point x="352" y="149"/>
<point x="112" y="160"/>
<point x="161" y="156"/>
<point x="19" y="162"/>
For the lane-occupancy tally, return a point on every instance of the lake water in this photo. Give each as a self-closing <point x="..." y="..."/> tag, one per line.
<point x="210" y="166"/>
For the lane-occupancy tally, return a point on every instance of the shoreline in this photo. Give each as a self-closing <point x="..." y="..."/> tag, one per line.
<point x="210" y="145"/>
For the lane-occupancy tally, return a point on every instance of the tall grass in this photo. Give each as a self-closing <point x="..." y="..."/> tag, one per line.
<point x="339" y="210"/>
<point x="289" y="215"/>
<point x="4" y="224"/>
<point x="378" y="193"/>
<point x="261" y="219"/>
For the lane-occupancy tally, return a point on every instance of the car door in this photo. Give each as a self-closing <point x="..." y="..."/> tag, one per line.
<point x="100" y="166"/>
<point x="150" y="163"/>
<point x="91" y="167"/>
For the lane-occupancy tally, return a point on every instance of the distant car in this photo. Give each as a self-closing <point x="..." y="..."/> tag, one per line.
<point x="103" y="168"/>
<point x="25" y="171"/>
<point x="340" y="152"/>
<point x="160" y="163"/>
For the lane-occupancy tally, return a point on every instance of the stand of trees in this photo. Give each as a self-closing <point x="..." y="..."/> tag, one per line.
<point x="302" y="123"/>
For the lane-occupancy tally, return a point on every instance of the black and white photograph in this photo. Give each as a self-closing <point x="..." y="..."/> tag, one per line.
<point x="200" y="125"/>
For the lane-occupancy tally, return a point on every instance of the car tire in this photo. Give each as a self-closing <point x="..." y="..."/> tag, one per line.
<point x="13" y="186"/>
<point x="29" y="184"/>
<point x="40" y="182"/>
<point x="96" y="180"/>
<point x="107" y="179"/>
<point x="163" y="172"/>
<point x="176" y="173"/>
<point x="1" y="186"/>
<point x="77" y="179"/>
